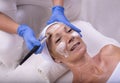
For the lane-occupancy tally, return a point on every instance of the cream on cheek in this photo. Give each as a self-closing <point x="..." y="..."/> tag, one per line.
<point x="61" y="49"/>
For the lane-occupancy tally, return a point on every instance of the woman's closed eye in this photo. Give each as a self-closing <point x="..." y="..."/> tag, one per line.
<point x="58" y="40"/>
<point x="70" y="30"/>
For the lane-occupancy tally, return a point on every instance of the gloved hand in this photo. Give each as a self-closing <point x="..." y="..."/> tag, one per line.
<point x="58" y="15"/>
<point x="28" y="35"/>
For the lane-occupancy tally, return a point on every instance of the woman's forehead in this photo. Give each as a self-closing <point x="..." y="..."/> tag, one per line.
<point x="57" y="27"/>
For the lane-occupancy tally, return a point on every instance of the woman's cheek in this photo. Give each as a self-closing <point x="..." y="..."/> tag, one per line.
<point x="61" y="49"/>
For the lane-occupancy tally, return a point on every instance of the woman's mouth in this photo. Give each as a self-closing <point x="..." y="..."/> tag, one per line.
<point x="74" y="46"/>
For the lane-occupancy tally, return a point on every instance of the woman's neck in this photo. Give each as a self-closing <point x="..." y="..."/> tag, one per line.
<point x="86" y="65"/>
<point x="81" y="62"/>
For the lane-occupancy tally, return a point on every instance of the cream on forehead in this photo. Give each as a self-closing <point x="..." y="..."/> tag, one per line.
<point x="61" y="49"/>
<point x="74" y="34"/>
<point x="54" y="27"/>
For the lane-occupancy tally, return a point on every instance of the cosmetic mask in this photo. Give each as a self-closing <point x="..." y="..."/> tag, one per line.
<point x="74" y="34"/>
<point x="61" y="49"/>
<point x="55" y="27"/>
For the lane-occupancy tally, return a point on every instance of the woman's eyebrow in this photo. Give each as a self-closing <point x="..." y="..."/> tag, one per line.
<point x="65" y="28"/>
<point x="59" y="34"/>
<point x="49" y="36"/>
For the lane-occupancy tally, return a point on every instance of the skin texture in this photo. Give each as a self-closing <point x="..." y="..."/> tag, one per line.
<point x="85" y="69"/>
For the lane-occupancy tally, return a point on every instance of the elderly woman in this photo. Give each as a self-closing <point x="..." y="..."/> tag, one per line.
<point x="66" y="46"/>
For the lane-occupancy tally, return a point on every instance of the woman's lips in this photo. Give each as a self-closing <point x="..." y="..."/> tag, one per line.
<point x="74" y="46"/>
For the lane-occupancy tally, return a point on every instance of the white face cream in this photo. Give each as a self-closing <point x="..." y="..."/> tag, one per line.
<point x="61" y="49"/>
<point x="55" y="27"/>
<point x="74" y="34"/>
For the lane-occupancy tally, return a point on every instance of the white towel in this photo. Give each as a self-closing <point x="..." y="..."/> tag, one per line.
<point x="115" y="77"/>
<point x="50" y="69"/>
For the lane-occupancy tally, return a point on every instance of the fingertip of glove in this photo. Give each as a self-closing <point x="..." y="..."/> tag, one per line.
<point x="80" y="34"/>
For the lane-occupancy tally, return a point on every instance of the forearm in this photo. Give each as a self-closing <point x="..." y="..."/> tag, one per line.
<point x="58" y="2"/>
<point x="7" y="24"/>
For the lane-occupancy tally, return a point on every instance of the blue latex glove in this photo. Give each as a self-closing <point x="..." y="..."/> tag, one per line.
<point x="58" y="15"/>
<point x="28" y="35"/>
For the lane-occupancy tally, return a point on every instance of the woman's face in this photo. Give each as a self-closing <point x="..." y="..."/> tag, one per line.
<point x="64" y="43"/>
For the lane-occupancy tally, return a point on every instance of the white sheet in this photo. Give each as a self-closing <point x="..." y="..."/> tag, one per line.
<point x="114" y="78"/>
